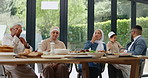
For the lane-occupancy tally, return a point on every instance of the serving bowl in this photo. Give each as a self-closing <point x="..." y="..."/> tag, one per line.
<point x="61" y="51"/>
<point x="96" y="54"/>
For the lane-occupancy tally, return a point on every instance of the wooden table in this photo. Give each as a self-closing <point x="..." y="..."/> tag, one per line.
<point x="133" y="61"/>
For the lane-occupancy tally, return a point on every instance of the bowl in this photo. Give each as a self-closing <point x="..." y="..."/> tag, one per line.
<point x="112" y="56"/>
<point x="61" y="51"/>
<point x="96" y="54"/>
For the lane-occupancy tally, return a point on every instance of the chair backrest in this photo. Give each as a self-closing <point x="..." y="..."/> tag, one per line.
<point x="102" y="66"/>
<point x="141" y="68"/>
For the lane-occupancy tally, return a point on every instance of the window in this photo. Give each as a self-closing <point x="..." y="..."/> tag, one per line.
<point x="12" y="12"/>
<point x="102" y="17"/>
<point x="77" y="23"/>
<point x="45" y="19"/>
<point x="123" y="21"/>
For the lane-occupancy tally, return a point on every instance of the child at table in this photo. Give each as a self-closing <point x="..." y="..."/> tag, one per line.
<point x="113" y="46"/>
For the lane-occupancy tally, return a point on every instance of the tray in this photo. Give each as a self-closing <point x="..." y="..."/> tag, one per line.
<point x="80" y="56"/>
<point x="52" y="56"/>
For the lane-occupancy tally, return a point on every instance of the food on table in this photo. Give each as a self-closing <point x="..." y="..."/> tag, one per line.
<point x="102" y="51"/>
<point x="5" y="48"/>
<point x="27" y="52"/>
<point x="92" y="51"/>
<point x="81" y="51"/>
<point x="35" y="54"/>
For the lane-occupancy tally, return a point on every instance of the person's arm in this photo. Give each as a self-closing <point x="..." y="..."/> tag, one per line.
<point x="10" y="41"/>
<point x="119" y="45"/>
<point x="63" y="46"/>
<point x="88" y="45"/>
<point x="23" y="41"/>
<point x="105" y="48"/>
<point x="140" y="46"/>
<point x="43" y="46"/>
<point x="109" y="46"/>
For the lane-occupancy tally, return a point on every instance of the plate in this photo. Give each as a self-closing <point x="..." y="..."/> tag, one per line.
<point x="112" y="56"/>
<point x="96" y="54"/>
<point x="7" y="54"/>
<point x="77" y="53"/>
<point x="81" y="56"/>
<point x="125" y="56"/>
<point x="52" y="56"/>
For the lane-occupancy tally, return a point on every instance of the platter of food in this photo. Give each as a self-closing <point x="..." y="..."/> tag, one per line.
<point x="29" y="53"/>
<point x="112" y="56"/>
<point x="77" y="53"/>
<point x="5" y="48"/>
<point x="52" y="56"/>
<point x="79" y="56"/>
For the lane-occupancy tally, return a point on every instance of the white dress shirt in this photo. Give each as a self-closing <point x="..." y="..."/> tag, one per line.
<point x="14" y="42"/>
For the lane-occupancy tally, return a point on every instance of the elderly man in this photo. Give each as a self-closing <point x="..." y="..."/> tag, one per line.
<point x="19" y="44"/>
<point x="136" y="47"/>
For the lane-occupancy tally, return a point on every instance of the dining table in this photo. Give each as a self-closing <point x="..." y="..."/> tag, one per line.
<point x="133" y="61"/>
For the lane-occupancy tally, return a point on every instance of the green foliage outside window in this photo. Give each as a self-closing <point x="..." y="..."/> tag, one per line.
<point x="78" y="33"/>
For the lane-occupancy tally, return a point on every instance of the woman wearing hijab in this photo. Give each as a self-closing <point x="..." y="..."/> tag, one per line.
<point x="54" y="70"/>
<point x="95" y="44"/>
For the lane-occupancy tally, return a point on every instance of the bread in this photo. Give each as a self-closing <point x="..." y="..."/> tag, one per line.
<point x="35" y="54"/>
<point x="25" y="53"/>
<point x="5" y="48"/>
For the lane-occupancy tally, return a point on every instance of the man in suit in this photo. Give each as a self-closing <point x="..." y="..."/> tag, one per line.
<point x="136" y="47"/>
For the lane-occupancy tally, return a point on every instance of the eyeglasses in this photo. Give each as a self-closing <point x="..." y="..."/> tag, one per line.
<point x="131" y="31"/>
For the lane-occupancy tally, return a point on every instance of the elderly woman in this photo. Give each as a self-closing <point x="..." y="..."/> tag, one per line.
<point x="95" y="44"/>
<point x="54" y="70"/>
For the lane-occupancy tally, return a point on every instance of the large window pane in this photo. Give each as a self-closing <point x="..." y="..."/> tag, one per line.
<point x="45" y="19"/>
<point x="123" y="21"/>
<point x="77" y="23"/>
<point x="12" y="12"/>
<point x="103" y="17"/>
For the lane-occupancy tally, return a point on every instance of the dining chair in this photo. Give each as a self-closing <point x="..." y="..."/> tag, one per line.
<point x="5" y="72"/>
<point x="141" y="69"/>
<point x="102" y="66"/>
<point x="68" y="65"/>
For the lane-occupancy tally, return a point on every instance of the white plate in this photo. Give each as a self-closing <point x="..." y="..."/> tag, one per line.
<point x="125" y="54"/>
<point x="7" y="53"/>
<point x="97" y="54"/>
<point x="77" y="53"/>
<point x="52" y="56"/>
<point x="112" y="56"/>
<point x="81" y="56"/>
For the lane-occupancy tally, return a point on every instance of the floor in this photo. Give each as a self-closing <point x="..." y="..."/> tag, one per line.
<point x="104" y="74"/>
